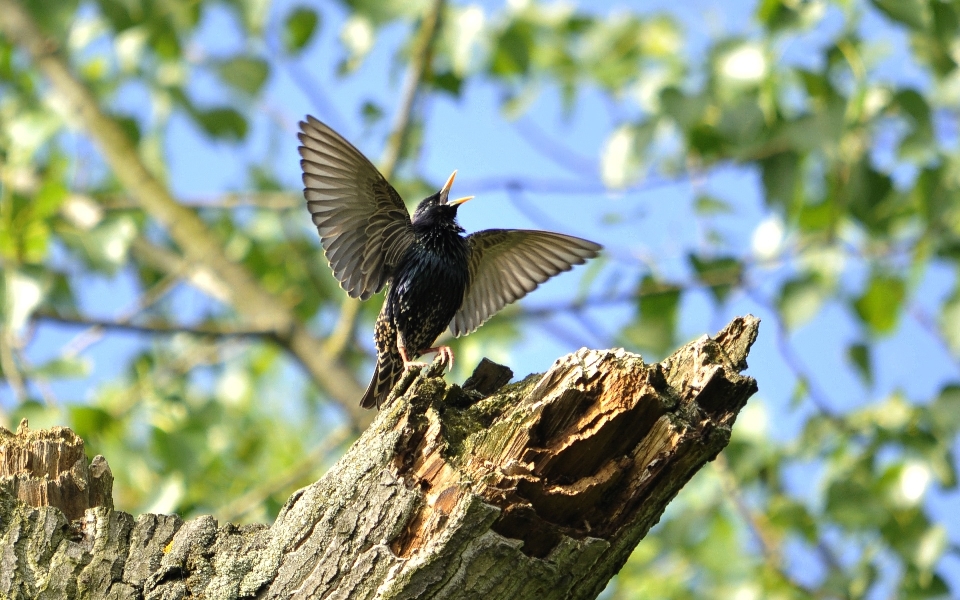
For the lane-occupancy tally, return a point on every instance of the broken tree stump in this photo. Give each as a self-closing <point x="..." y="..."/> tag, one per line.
<point x="540" y="489"/>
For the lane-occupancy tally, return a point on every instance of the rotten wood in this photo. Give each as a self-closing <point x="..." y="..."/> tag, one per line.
<point x="49" y="468"/>
<point x="540" y="490"/>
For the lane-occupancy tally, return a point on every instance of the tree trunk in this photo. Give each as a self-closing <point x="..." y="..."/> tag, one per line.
<point x="541" y="490"/>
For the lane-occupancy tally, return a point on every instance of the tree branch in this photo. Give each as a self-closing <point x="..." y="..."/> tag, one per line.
<point x="541" y="490"/>
<point x="153" y="327"/>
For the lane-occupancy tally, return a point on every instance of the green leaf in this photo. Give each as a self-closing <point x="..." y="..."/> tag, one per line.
<point x="912" y="13"/>
<point x="244" y="73"/>
<point x="298" y="28"/>
<point x="800" y="299"/>
<point x="512" y="50"/>
<point x="108" y="243"/>
<point x="73" y="367"/>
<point x="371" y="112"/>
<point x="950" y="321"/>
<point x="706" y="205"/>
<point x="859" y="355"/>
<point x="90" y="421"/>
<point x="852" y="500"/>
<point x="879" y="306"/>
<point x="919" y="143"/>
<point x="789" y="514"/>
<point x="24" y="290"/>
<point x="945" y="411"/>
<point x="448" y="82"/>
<point x="621" y="162"/>
<point x="781" y="176"/>
<point x="775" y="15"/>
<point x="655" y="329"/>
<point x="685" y="110"/>
<point x="800" y="390"/>
<point x="224" y="123"/>
<point x="718" y="274"/>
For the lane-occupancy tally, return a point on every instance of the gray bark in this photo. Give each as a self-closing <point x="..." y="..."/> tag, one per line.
<point x="540" y="490"/>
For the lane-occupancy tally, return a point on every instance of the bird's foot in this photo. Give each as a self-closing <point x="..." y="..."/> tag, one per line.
<point x="445" y="353"/>
<point x="407" y="363"/>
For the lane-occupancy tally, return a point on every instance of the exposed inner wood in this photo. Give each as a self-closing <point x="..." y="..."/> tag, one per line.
<point x="587" y="445"/>
<point x="49" y="468"/>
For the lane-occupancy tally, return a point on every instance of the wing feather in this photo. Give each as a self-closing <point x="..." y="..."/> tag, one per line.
<point x="363" y="224"/>
<point x="508" y="264"/>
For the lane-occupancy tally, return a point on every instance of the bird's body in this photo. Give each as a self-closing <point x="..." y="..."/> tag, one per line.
<point x="437" y="277"/>
<point x="426" y="290"/>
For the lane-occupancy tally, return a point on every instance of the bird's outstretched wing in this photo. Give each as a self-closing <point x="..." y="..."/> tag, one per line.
<point x="507" y="264"/>
<point x="364" y="226"/>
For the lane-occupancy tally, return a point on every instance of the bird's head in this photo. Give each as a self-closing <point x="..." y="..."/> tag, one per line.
<point x="438" y="207"/>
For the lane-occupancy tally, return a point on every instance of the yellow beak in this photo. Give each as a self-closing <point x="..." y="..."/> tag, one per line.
<point x="445" y="191"/>
<point x="449" y="184"/>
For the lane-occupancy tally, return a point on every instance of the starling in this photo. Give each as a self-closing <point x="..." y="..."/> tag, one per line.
<point x="437" y="277"/>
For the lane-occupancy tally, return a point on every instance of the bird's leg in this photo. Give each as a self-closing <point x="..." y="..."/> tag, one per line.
<point x="445" y="352"/>
<point x="407" y="363"/>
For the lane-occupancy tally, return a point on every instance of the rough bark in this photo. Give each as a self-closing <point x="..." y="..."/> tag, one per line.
<point x="540" y="490"/>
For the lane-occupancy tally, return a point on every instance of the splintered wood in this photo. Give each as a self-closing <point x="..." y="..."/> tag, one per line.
<point x="49" y="468"/>
<point x="596" y="443"/>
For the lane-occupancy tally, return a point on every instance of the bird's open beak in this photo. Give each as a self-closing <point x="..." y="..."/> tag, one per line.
<point x="445" y="191"/>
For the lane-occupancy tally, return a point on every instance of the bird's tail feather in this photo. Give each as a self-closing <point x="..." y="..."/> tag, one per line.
<point x="386" y="375"/>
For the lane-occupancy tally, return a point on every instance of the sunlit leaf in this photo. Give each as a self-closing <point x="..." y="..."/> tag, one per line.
<point x="244" y="73"/>
<point x="859" y="356"/>
<point x="655" y="328"/>
<point x="298" y="28"/>
<point x="706" y="205"/>
<point x="226" y="123"/>
<point x="945" y="411"/>
<point x="512" y="50"/>
<point x="800" y="299"/>
<point x="719" y="274"/>
<point x="621" y="162"/>
<point x="23" y="292"/>
<point x="65" y="367"/>
<point x="913" y="13"/>
<point x="447" y="81"/>
<point x="880" y="305"/>
<point x="949" y="322"/>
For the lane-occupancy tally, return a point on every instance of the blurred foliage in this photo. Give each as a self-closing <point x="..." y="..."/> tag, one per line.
<point x="860" y="175"/>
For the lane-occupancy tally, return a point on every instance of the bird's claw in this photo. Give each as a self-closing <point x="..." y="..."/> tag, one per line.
<point x="445" y="353"/>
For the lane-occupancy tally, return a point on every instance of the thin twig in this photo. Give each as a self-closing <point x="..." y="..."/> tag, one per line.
<point x="87" y="338"/>
<point x="769" y="548"/>
<point x="554" y="150"/>
<point x="155" y="327"/>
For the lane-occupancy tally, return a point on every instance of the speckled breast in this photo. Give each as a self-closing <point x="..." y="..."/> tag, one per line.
<point x="426" y="292"/>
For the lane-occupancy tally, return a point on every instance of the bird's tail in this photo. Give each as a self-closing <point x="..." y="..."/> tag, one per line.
<point x="386" y="375"/>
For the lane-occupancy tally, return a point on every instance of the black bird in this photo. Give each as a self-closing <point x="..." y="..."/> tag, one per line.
<point x="438" y="277"/>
